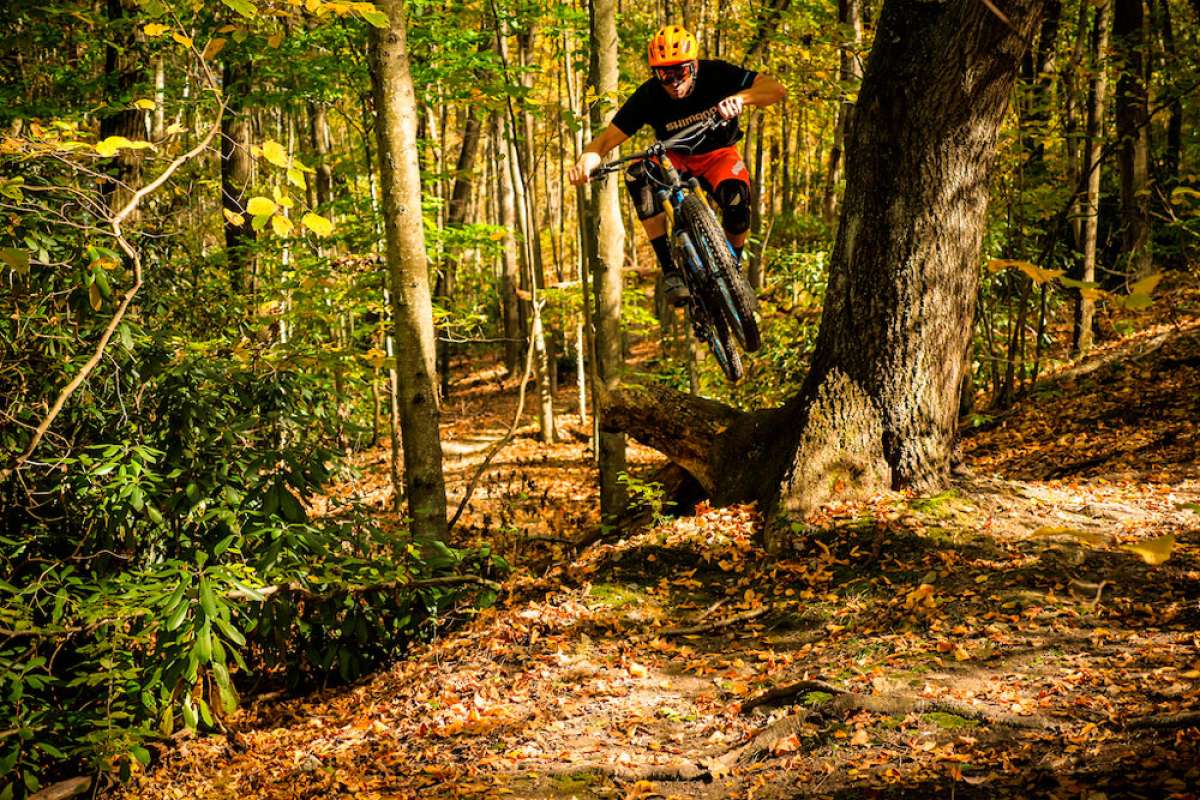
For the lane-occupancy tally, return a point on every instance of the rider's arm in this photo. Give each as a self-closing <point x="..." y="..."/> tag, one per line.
<point x="590" y="158"/>
<point x="765" y="91"/>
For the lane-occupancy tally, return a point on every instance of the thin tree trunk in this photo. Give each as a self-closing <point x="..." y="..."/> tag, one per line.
<point x="456" y="215"/>
<point x="510" y="310"/>
<point x="395" y="103"/>
<point x="394" y="454"/>
<point x="850" y="70"/>
<point x="1085" y="305"/>
<point x="1133" y="131"/>
<point x="123" y="72"/>
<point x="236" y="169"/>
<point x="609" y="254"/>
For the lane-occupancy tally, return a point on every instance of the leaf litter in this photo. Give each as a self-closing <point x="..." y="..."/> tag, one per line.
<point x="1036" y="635"/>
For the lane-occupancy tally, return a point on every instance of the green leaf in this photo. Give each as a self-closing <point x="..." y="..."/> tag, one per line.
<point x="176" y="618"/>
<point x="243" y="7"/>
<point x="189" y="712"/>
<point x="18" y="260"/>
<point x="207" y="601"/>
<point x="231" y="633"/>
<point x="204" y="643"/>
<point x="141" y="754"/>
<point x="375" y="17"/>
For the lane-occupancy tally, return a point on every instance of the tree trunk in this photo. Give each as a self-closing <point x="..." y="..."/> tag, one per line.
<point x="123" y="72"/>
<point x="1085" y="305"/>
<point x="510" y="310"/>
<point x="878" y="407"/>
<point x="456" y="215"/>
<point x="1174" y="147"/>
<point x="609" y="253"/>
<point x="318" y="133"/>
<point x="849" y="17"/>
<point x="236" y="168"/>
<point x="413" y="313"/>
<point x="1133" y="131"/>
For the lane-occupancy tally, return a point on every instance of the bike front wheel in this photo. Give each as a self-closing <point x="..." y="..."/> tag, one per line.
<point x="736" y="298"/>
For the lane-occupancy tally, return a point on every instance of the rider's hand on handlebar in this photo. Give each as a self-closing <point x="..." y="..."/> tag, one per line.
<point x="731" y="106"/>
<point x="581" y="172"/>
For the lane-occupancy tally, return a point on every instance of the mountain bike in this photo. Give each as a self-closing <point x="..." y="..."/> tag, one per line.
<point x="721" y="302"/>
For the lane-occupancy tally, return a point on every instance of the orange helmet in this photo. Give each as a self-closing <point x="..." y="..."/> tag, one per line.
<point x="671" y="45"/>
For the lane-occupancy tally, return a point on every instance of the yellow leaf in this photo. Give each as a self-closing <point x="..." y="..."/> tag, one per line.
<point x="1035" y="273"/>
<point x="286" y="202"/>
<point x="296" y="178"/>
<point x="376" y="358"/>
<point x="1154" y="551"/>
<point x="312" y="5"/>
<point x="145" y="103"/>
<point x="1083" y="536"/>
<point x="274" y="152"/>
<point x="275" y="39"/>
<point x="175" y="128"/>
<point x="1146" y="285"/>
<point x="109" y="147"/>
<point x="213" y="47"/>
<point x="94" y="296"/>
<point x="317" y="224"/>
<point x="281" y="225"/>
<point x="155" y="29"/>
<point x="186" y="41"/>
<point x="260" y="206"/>
<point x="860" y="738"/>
<point x="233" y="217"/>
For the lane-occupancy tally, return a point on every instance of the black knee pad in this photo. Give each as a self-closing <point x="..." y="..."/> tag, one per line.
<point x="639" y="180"/>
<point x="734" y="199"/>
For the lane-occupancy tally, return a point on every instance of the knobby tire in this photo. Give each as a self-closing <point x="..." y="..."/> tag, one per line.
<point x="736" y="296"/>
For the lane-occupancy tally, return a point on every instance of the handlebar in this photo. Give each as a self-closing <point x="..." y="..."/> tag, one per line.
<point x="693" y="131"/>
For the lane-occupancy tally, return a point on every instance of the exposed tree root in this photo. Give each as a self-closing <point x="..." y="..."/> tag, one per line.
<point x="716" y="624"/>
<point x="674" y="771"/>
<point x="845" y="702"/>
<point x="1185" y="719"/>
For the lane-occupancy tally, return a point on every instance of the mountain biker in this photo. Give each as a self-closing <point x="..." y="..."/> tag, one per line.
<point x="685" y="90"/>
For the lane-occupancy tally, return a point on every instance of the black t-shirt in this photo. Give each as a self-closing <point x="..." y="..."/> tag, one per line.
<point x="651" y="105"/>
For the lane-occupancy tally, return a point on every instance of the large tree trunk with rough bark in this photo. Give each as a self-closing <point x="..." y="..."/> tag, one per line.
<point x="878" y="407"/>
<point x="395" y="104"/>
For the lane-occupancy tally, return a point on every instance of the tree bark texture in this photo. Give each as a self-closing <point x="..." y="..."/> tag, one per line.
<point x="412" y="311"/>
<point x="609" y="253"/>
<point x="878" y="407"/>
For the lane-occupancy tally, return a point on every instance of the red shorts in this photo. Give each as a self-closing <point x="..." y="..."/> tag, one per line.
<point x="713" y="167"/>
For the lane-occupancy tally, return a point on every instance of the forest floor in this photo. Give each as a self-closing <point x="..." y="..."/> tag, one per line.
<point x="1032" y="632"/>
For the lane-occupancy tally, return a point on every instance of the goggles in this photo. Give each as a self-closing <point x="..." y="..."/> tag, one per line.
<point x="675" y="74"/>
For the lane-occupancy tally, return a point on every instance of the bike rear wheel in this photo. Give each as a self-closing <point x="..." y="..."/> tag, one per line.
<point x="736" y="298"/>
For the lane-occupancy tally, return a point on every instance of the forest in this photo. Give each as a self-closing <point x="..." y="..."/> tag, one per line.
<point x="350" y="448"/>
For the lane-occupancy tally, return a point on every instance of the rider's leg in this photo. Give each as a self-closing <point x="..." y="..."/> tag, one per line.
<point x="733" y="196"/>
<point x="654" y="221"/>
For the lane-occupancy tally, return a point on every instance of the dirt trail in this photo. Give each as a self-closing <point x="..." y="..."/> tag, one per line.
<point x="1007" y="638"/>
